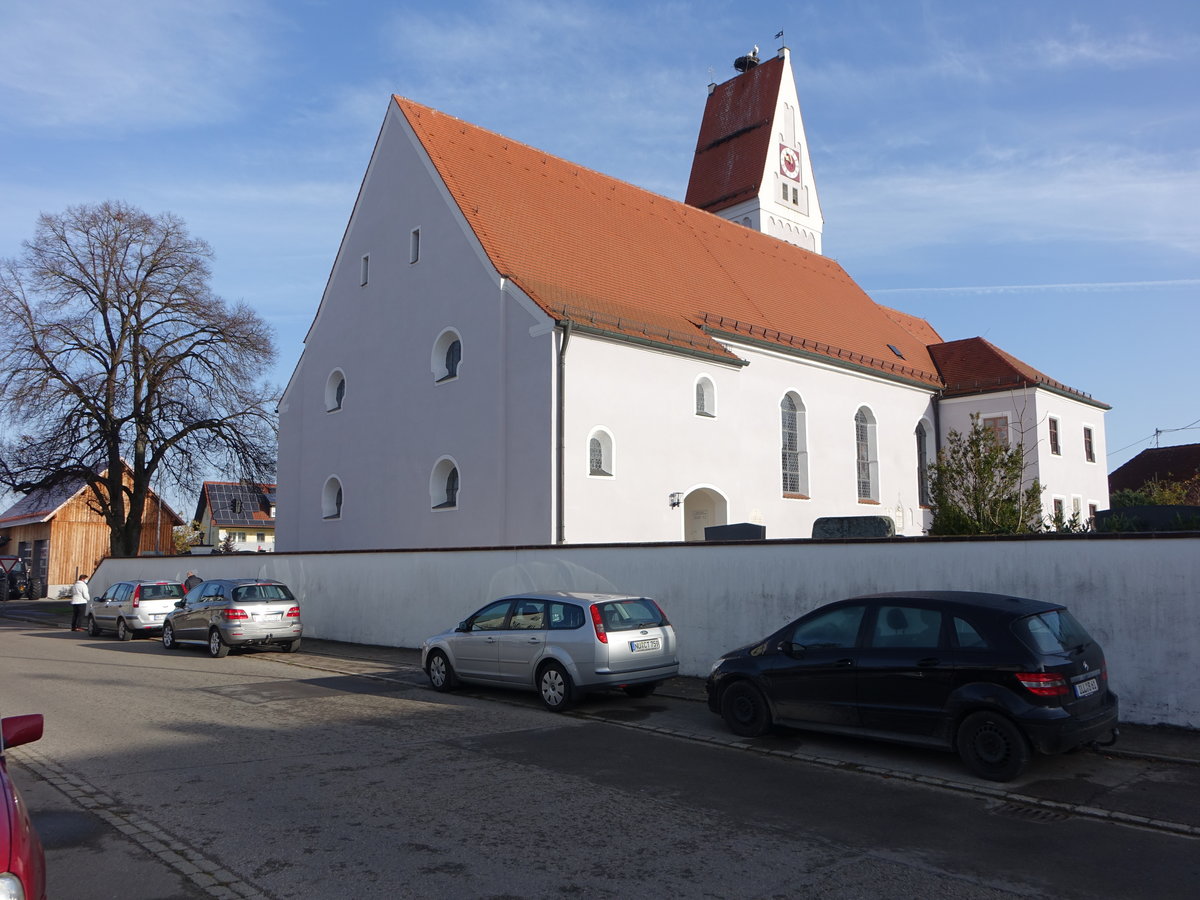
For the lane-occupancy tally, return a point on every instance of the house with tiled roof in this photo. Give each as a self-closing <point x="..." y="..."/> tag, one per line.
<point x="60" y="535"/>
<point x="239" y="511"/>
<point x="1166" y="465"/>
<point x="514" y="349"/>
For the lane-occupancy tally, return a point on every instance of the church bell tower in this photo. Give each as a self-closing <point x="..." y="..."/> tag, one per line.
<point x="752" y="164"/>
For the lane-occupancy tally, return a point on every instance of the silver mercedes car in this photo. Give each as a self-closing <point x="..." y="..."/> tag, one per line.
<point x="237" y="612"/>
<point x="559" y="644"/>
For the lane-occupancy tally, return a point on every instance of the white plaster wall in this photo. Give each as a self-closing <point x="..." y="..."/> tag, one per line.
<point x="646" y="400"/>
<point x="1029" y="410"/>
<point x="801" y="225"/>
<point x="494" y="420"/>
<point x="1070" y="474"/>
<point x="1136" y="596"/>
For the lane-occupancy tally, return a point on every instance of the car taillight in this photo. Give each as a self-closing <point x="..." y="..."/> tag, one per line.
<point x="1044" y="684"/>
<point x="294" y="612"/>
<point x="662" y="615"/>
<point x="598" y="624"/>
<point x="232" y="614"/>
<point x="137" y="596"/>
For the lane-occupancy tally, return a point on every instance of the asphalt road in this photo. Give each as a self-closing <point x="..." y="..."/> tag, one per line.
<point x="172" y="775"/>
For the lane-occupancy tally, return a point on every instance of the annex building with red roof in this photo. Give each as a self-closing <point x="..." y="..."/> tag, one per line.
<point x="513" y="349"/>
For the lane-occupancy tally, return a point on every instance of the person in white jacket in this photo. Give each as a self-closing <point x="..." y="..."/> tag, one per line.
<point x="79" y="601"/>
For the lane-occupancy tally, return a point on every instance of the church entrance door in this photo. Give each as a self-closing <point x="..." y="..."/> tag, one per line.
<point x="701" y="508"/>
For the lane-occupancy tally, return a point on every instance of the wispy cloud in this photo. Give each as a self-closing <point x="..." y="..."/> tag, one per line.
<point x="1091" y="194"/>
<point x="1076" y="288"/>
<point x="133" y="66"/>
<point x="1081" y="47"/>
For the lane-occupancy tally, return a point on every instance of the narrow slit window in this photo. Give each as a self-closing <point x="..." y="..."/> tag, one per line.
<point x="414" y="245"/>
<point x="364" y="273"/>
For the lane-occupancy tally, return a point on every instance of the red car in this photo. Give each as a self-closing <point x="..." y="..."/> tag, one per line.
<point x="22" y="862"/>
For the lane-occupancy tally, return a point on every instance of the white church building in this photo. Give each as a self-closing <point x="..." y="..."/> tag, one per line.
<point x="516" y="350"/>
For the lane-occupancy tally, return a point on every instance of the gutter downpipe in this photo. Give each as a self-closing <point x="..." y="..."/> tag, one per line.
<point x="560" y="436"/>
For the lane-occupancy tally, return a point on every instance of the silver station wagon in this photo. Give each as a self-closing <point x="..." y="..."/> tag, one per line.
<point x="560" y="644"/>
<point x="132" y="607"/>
<point x="238" y="612"/>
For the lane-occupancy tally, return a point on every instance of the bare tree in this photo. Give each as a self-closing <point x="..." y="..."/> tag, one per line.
<point x="120" y="359"/>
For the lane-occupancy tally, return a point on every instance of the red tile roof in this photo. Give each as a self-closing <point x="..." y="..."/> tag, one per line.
<point x="735" y="138"/>
<point x="975" y="366"/>
<point x="613" y="257"/>
<point x="1166" y="464"/>
<point x="919" y="327"/>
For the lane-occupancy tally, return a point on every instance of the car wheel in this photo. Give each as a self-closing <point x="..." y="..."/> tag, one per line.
<point x="640" y="690"/>
<point x="168" y="638"/>
<point x="745" y="710"/>
<point x="217" y="648"/>
<point x="440" y="672"/>
<point x="992" y="746"/>
<point x="93" y="628"/>
<point x="555" y="688"/>
<point x="292" y="646"/>
<point x="123" y="632"/>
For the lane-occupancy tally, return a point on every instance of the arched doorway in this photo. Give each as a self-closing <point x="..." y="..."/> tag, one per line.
<point x="701" y="508"/>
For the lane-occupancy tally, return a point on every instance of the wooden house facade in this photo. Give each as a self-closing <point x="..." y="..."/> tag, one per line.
<point x="60" y="537"/>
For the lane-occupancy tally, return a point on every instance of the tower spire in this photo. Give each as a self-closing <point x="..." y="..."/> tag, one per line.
<point x="752" y="164"/>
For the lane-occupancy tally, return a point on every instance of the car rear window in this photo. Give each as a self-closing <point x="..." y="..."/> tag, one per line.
<point x="261" y="592"/>
<point x="627" y="615"/>
<point x="162" y="591"/>
<point x="1056" y="631"/>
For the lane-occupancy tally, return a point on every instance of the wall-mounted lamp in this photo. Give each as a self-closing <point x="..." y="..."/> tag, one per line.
<point x="675" y="499"/>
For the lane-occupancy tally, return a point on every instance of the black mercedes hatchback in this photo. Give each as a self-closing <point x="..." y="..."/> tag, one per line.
<point x="992" y="676"/>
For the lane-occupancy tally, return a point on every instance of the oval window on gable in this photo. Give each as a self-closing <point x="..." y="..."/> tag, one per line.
<point x="335" y="390"/>
<point x="446" y="358"/>
<point x="331" y="499"/>
<point x="444" y="484"/>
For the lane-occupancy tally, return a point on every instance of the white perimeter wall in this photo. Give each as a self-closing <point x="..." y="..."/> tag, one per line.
<point x="1137" y="596"/>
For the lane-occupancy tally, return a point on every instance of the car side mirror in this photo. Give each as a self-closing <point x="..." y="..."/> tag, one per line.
<point x="180" y="604"/>
<point x="796" y="651"/>
<point x="464" y="625"/>
<point x="18" y="730"/>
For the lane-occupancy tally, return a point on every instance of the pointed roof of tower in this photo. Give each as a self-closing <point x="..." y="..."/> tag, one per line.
<point x="735" y="138"/>
<point x="616" y="259"/>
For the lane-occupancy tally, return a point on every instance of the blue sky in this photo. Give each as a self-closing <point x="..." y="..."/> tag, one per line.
<point x="1026" y="171"/>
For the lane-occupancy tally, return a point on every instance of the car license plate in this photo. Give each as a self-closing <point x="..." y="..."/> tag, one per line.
<point x="1087" y="688"/>
<point x="157" y="617"/>
<point x="651" y="644"/>
<point x="270" y="617"/>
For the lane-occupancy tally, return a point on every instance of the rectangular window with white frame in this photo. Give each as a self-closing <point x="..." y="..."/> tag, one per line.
<point x="1089" y="444"/>
<point x="998" y="425"/>
<point x="1055" y="446"/>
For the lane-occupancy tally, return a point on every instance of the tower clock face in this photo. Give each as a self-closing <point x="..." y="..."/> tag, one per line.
<point x="789" y="162"/>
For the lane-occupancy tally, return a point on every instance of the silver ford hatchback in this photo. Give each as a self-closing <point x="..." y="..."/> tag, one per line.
<point x="559" y="644"/>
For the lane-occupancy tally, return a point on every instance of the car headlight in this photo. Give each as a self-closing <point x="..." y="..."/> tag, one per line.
<point x="10" y="887"/>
